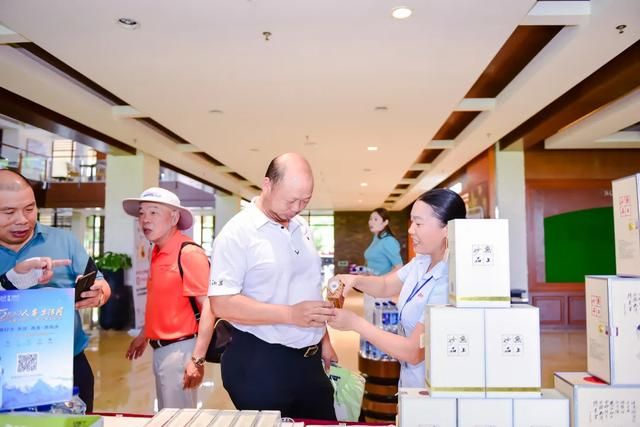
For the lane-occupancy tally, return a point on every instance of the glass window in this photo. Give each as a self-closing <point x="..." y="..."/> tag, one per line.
<point x="94" y="235"/>
<point x="204" y="230"/>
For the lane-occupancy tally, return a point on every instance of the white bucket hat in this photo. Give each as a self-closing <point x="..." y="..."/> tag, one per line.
<point x="159" y="195"/>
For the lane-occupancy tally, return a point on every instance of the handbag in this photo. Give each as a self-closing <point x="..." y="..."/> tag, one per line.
<point x="222" y="330"/>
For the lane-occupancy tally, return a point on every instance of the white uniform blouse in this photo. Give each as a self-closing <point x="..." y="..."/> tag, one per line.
<point x="259" y="258"/>
<point x="412" y="302"/>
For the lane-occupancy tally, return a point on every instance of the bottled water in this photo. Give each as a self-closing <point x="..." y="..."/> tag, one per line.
<point x="393" y="317"/>
<point x="74" y="406"/>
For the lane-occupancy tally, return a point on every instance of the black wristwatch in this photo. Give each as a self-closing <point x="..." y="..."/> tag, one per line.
<point x="198" y="362"/>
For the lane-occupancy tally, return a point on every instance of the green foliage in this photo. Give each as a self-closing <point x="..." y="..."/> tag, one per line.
<point x="113" y="261"/>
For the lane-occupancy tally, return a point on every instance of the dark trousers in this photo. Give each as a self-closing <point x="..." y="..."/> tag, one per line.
<point x="83" y="378"/>
<point x="262" y="376"/>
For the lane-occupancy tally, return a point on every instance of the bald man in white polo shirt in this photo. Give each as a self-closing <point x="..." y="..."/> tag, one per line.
<point x="265" y="279"/>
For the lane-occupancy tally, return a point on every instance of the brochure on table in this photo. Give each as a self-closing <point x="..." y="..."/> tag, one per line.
<point x="36" y="347"/>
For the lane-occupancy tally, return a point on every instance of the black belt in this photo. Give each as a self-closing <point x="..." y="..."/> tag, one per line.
<point x="309" y="351"/>
<point x="155" y="344"/>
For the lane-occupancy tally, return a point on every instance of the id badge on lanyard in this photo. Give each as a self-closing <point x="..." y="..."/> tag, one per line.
<point x="414" y="292"/>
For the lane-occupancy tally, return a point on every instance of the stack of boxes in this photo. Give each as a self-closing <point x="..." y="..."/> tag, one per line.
<point x="609" y="394"/>
<point x="482" y="355"/>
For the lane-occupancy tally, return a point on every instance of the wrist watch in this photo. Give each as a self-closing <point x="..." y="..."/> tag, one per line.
<point x="198" y="361"/>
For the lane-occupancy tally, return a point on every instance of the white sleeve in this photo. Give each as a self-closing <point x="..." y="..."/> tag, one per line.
<point x="403" y="273"/>
<point x="228" y="265"/>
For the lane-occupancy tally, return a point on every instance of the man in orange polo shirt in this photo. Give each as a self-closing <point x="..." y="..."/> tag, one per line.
<point x="179" y="342"/>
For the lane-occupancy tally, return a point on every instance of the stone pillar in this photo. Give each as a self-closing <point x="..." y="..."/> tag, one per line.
<point x="510" y="204"/>
<point x="226" y="207"/>
<point x="127" y="176"/>
<point x="78" y="225"/>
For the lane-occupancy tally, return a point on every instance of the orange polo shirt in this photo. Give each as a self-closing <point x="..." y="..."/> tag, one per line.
<point x="169" y="314"/>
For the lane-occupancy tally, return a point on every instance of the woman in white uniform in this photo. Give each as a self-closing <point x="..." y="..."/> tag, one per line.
<point x="420" y="282"/>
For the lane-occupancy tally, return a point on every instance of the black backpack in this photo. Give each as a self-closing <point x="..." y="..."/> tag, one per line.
<point x="222" y="330"/>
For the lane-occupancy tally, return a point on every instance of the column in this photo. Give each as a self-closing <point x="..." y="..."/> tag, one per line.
<point x="129" y="176"/>
<point x="226" y="207"/>
<point x="78" y="224"/>
<point x="510" y="204"/>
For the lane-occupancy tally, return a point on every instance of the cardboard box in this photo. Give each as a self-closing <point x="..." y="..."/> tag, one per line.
<point x="512" y="358"/>
<point x="416" y="408"/>
<point x="551" y="410"/>
<point x="485" y="412"/>
<point x="626" y="221"/>
<point x="594" y="403"/>
<point x="479" y="263"/>
<point x="454" y="351"/>
<point x="613" y="337"/>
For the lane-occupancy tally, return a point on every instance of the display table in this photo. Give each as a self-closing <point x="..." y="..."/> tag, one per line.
<point x="380" y="401"/>
<point x="131" y="420"/>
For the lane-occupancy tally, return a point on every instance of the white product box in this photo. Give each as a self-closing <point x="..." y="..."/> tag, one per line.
<point x="552" y="410"/>
<point x="613" y="334"/>
<point x="454" y="351"/>
<point x="512" y="358"/>
<point x="479" y="263"/>
<point x="626" y="221"/>
<point x="593" y="403"/>
<point x="417" y="409"/>
<point x="170" y="417"/>
<point x="485" y="412"/>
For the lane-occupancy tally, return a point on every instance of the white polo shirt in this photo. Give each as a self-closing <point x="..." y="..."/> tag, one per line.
<point x="257" y="257"/>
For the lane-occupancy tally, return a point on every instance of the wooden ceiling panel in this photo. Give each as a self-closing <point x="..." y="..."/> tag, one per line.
<point x="411" y="174"/>
<point x="519" y="49"/>
<point x="428" y="155"/>
<point x="610" y="82"/>
<point x="455" y="123"/>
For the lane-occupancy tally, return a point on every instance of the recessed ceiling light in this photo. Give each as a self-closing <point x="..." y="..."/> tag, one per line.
<point x="215" y="111"/>
<point x="381" y="108"/>
<point x="401" y="12"/>
<point x="255" y="150"/>
<point x="129" y="23"/>
<point x="359" y="200"/>
<point x="372" y="148"/>
<point x="366" y="170"/>
<point x="363" y="184"/>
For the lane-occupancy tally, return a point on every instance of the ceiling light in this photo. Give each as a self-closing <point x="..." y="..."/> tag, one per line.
<point x="372" y="148"/>
<point x="381" y="108"/>
<point x="215" y="111"/>
<point x="366" y="170"/>
<point x="129" y="23"/>
<point x="401" y="12"/>
<point x="363" y="184"/>
<point x="255" y="150"/>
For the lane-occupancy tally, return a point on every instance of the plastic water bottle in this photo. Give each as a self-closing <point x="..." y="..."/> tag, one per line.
<point x="393" y="317"/>
<point x="374" y="353"/>
<point x="74" y="406"/>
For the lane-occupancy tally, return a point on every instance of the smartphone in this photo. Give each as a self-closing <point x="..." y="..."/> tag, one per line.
<point x="84" y="283"/>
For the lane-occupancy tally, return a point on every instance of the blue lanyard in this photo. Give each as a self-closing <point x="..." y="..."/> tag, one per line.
<point x="413" y="293"/>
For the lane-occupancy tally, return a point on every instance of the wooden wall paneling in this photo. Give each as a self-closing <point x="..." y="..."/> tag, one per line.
<point x="75" y="195"/>
<point x="546" y="198"/>
<point x="577" y="315"/>
<point x="552" y="309"/>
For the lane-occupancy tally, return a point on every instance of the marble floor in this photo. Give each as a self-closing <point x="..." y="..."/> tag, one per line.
<point x="128" y="387"/>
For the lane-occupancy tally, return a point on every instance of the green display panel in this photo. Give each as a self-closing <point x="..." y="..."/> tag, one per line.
<point x="579" y="243"/>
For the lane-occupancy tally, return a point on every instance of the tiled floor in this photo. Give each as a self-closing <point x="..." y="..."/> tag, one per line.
<point x="123" y="386"/>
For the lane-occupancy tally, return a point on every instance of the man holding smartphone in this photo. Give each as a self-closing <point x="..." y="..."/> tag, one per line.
<point x="22" y="239"/>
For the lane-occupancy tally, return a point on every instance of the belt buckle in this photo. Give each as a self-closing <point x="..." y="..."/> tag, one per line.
<point x="311" y="350"/>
